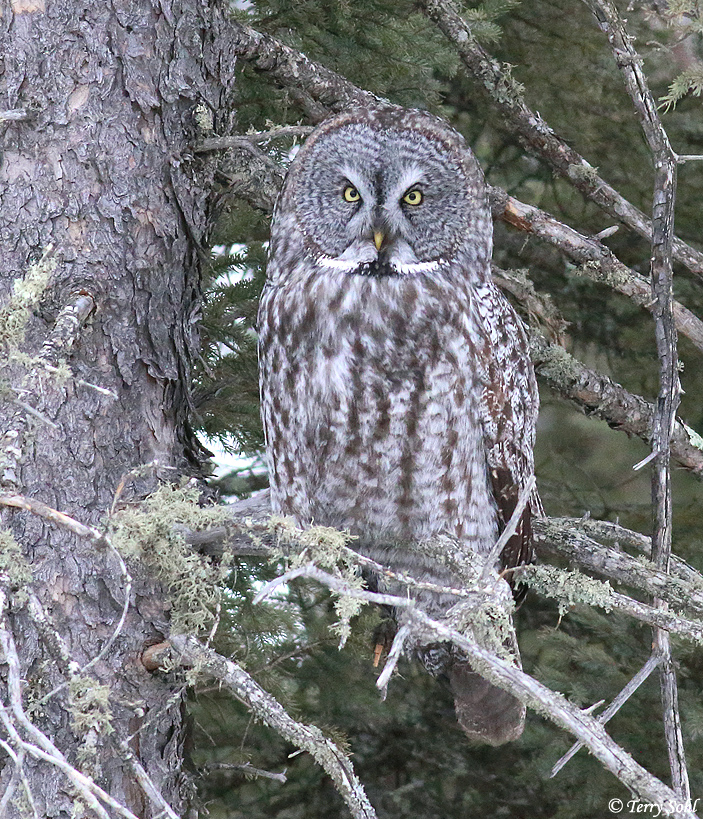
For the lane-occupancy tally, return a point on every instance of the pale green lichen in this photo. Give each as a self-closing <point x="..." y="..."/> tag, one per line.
<point x="204" y="118"/>
<point x="559" y="366"/>
<point x="26" y="293"/>
<point x="14" y="566"/>
<point x="150" y="533"/>
<point x="694" y="438"/>
<point x="583" y="173"/>
<point x="79" y="810"/>
<point x="91" y="720"/>
<point x="327" y="549"/>
<point x="569" y="588"/>
<point x="489" y="621"/>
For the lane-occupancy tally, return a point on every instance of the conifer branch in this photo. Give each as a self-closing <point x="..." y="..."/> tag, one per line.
<point x="307" y="737"/>
<point x="546" y="702"/>
<point x="505" y="95"/>
<point x="596" y="261"/>
<point x="565" y="537"/>
<point x="224" y="143"/>
<point x="570" y="539"/>
<point x="664" y="199"/>
<point x="292" y="69"/>
<point x="598" y="395"/>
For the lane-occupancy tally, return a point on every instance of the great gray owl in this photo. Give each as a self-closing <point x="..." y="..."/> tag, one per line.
<point x="398" y="399"/>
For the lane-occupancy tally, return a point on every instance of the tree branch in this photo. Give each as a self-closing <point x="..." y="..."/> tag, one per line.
<point x="292" y="69"/>
<point x="548" y="703"/>
<point x="664" y="198"/>
<point x="41" y="747"/>
<point x="600" y="396"/>
<point x="308" y="737"/>
<point x="569" y="538"/>
<point x="14" y="115"/>
<point x="505" y="95"/>
<point x="596" y="261"/>
<point x="642" y="675"/>
<point x="565" y="537"/>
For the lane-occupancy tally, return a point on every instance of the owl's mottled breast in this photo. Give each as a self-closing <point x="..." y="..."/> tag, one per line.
<point x="372" y="405"/>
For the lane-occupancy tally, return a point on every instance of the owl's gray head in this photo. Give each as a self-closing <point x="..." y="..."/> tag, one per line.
<point x="387" y="191"/>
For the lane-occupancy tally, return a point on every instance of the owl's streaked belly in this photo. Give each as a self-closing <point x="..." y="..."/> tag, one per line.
<point x="381" y="432"/>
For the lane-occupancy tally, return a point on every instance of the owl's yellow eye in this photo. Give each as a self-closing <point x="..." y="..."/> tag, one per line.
<point x="413" y="197"/>
<point x="351" y="194"/>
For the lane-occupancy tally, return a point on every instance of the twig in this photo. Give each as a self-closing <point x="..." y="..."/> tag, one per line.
<point x="292" y="69"/>
<point x="612" y="601"/>
<point x="653" y="661"/>
<point x="665" y="162"/>
<point x="223" y="143"/>
<point x="537" y="696"/>
<point x="145" y="782"/>
<point x="97" y="537"/>
<point x="18" y="773"/>
<point x="14" y="115"/>
<point x="534" y="303"/>
<point x="53" y="515"/>
<point x="29" y="409"/>
<point x="336" y="584"/>
<point x="392" y="660"/>
<point x="509" y="531"/>
<point x="569" y="538"/>
<point x="307" y="737"/>
<point x="248" y="769"/>
<point x="42" y="747"/>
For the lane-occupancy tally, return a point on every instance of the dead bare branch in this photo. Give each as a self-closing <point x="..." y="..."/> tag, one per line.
<point x="335" y="762"/>
<point x="653" y="662"/>
<point x="664" y="199"/>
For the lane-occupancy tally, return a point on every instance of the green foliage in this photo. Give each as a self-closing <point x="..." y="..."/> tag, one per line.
<point x="227" y="392"/>
<point x="151" y="534"/>
<point x="687" y="82"/>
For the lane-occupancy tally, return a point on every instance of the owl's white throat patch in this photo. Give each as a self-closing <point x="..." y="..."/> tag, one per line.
<point x="377" y="267"/>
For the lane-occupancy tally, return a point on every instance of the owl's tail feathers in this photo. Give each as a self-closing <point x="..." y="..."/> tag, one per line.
<point x="486" y="713"/>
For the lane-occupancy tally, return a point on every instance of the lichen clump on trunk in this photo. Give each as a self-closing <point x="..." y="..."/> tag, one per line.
<point x="150" y="533"/>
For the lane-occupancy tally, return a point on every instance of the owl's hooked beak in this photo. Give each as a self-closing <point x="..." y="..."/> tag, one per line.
<point x="378" y="237"/>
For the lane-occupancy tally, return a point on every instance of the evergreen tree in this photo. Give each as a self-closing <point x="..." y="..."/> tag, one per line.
<point x="137" y="169"/>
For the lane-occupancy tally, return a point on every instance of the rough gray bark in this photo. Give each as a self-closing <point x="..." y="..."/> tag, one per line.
<point x="100" y="170"/>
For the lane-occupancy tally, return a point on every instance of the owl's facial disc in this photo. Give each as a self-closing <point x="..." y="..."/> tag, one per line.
<point x="389" y="200"/>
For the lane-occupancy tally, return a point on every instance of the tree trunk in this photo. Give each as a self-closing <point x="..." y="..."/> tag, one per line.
<point x="100" y="172"/>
